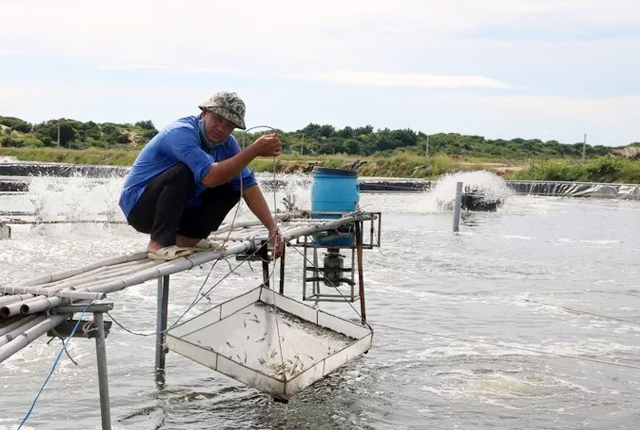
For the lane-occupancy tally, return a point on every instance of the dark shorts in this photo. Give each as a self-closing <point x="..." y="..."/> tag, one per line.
<point x="162" y="209"/>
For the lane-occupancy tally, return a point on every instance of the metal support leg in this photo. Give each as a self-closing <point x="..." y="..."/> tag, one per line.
<point x="161" y="327"/>
<point x="103" y="381"/>
<point x="282" y="271"/>
<point x="265" y="265"/>
<point x="363" y="310"/>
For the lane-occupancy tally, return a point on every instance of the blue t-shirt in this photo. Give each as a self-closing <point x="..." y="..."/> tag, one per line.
<point x="180" y="142"/>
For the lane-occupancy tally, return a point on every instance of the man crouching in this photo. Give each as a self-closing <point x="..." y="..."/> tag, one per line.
<point x="190" y="175"/>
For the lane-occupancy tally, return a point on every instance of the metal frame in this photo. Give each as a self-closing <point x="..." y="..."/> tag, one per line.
<point x="357" y="229"/>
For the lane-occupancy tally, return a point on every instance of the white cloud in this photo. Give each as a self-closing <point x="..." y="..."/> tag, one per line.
<point x="134" y="67"/>
<point x="416" y="80"/>
<point x="214" y="34"/>
<point x="7" y="52"/>
<point x="157" y="55"/>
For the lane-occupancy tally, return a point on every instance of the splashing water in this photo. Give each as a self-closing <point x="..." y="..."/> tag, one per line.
<point x="75" y="198"/>
<point x="78" y="198"/>
<point x="489" y="185"/>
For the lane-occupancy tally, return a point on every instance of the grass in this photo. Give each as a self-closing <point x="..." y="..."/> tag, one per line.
<point x="97" y="156"/>
<point x="601" y="169"/>
<point x="397" y="164"/>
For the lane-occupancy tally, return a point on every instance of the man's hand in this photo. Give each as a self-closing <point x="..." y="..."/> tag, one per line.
<point x="276" y="243"/>
<point x="268" y="145"/>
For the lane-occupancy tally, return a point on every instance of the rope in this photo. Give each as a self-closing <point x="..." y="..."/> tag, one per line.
<point x="584" y="312"/>
<point x="53" y="368"/>
<point x="517" y="348"/>
<point x="273" y="290"/>
<point x="191" y="306"/>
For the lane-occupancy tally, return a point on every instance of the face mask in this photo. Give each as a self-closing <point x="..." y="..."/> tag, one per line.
<point x="203" y="135"/>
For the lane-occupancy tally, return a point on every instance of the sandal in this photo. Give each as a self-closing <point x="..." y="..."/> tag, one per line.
<point x="205" y="245"/>
<point x="169" y="253"/>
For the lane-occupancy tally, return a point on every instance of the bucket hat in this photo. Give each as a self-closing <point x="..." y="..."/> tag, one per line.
<point x="228" y="105"/>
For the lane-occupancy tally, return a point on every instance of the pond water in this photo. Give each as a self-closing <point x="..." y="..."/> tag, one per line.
<point x="527" y="318"/>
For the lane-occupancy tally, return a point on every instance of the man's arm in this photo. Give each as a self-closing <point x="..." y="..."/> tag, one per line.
<point x="223" y="171"/>
<point x="258" y="205"/>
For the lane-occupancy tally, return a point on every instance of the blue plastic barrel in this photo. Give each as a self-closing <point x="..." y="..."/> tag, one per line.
<point x="334" y="190"/>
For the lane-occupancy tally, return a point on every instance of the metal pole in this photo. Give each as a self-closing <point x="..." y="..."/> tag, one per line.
<point x="161" y="327"/>
<point x="584" y="147"/>
<point x="265" y="265"/>
<point x="456" y="207"/>
<point x="282" y="271"/>
<point x="103" y="381"/>
<point x="363" y="310"/>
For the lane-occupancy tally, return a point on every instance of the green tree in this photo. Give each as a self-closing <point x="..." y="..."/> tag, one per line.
<point x="147" y="125"/>
<point x="16" y="124"/>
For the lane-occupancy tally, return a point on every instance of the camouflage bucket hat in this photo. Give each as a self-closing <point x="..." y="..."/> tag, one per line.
<point x="229" y="106"/>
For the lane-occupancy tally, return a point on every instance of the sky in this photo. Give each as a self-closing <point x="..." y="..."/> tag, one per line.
<point x="532" y="69"/>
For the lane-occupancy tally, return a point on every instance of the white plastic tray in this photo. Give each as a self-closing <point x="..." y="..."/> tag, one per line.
<point x="239" y="338"/>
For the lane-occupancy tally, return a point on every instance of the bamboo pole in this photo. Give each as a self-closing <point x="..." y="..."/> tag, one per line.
<point x="79" y="221"/>
<point x="77" y="294"/>
<point x="65" y="274"/>
<point x="226" y="227"/>
<point x="30" y="335"/>
<point x="95" y="275"/>
<point x="292" y="232"/>
<point x="92" y="289"/>
<point x="41" y="305"/>
<point x="9" y="298"/>
<point x="17" y="323"/>
<point x="54" y="285"/>
<point x="170" y="267"/>
<point x="8" y="337"/>
<point x="13" y="309"/>
<point x="306" y="230"/>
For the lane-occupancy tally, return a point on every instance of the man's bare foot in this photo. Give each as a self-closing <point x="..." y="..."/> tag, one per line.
<point x="153" y="246"/>
<point x="186" y="242"/>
